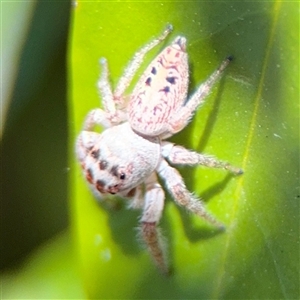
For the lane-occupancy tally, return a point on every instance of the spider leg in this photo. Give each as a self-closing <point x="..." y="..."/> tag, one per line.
<point x="180" y="155"/>
<point x="136" y="62"/>
<point x="109" y="115"/>
<point x="181" y="195"/>
<point x="182" y="117"/>
<point x="109" y="102"/>
<point x="154" y="203"/>
<point x="100" y="117"/>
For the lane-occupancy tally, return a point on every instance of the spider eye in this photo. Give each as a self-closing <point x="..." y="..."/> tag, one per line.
<point x="122" y="176"/>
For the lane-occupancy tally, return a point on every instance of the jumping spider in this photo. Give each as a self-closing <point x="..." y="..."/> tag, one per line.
<point x="127" y="156"/>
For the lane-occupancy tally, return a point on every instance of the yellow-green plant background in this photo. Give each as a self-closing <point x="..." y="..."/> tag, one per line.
<point x="247" y="121"/>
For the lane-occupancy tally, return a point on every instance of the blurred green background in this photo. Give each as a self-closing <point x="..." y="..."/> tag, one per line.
<point x="35" y="135"/>
<point x="250" y="119"/>
<point x="34" y="142"/>
<point x="34" y="166"/>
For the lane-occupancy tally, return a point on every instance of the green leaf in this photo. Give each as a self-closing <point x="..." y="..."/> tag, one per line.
<point x="48" y="273"/>
<point x="250" y="119"/>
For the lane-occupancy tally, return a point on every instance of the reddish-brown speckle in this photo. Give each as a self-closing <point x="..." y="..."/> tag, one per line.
<point x="100" y="184"/>
<point x="89" y="176"/>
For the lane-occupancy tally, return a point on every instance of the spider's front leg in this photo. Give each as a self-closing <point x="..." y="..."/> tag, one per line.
<point x="182" y="117"/>
<point x="100" y="117"/>
<point x="181" y="195"/>
<point x="154" y="203"/>
<point x="110" y="115"/>
<point x="136" y="62"/>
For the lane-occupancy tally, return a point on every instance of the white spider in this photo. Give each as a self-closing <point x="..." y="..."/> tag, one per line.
<point x="127" y="156"/>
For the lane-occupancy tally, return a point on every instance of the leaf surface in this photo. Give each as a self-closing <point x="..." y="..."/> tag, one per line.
<point x="251" y="119"/>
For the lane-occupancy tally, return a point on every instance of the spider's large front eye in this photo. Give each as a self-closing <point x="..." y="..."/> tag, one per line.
<point x="122" y="176"/>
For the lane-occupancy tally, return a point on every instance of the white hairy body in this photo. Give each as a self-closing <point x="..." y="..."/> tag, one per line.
<point x="127" y="156"/>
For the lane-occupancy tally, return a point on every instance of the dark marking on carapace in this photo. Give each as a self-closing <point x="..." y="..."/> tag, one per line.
<point x="171" y="80"/>
<point x="153" y="71"/>
<point x="113" y="189"/>
<point x="100" y="184"/>
<point x="114" y="171"/>
<point x="89" y="176"/>
<point x="148" y="81"/>
<point x="103" y="164"/>
<point x="166" y="89"/>
<point x="95" y="153"/>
